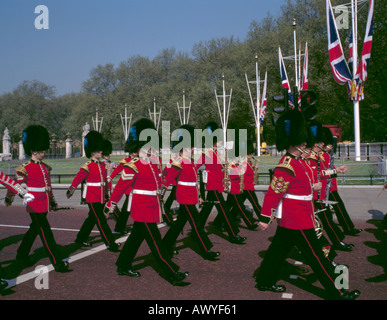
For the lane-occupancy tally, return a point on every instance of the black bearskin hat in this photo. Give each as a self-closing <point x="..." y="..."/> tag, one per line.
<point x="133" y="143"/>
<point x="328" y="138"/>
<point x="35" y="138"/>
<point x="107" y="147"/>
<point x="250" y="146"/>
<point x="182" y="132"/>
<point x="240" y="143"/>
<point x="209" y="130"/>
<point x="291" y="130"/>
<point x="317" y="131"/>
<point x="93" y="142"/>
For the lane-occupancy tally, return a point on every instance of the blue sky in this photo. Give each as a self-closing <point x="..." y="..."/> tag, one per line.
<point x="85" y="33"/>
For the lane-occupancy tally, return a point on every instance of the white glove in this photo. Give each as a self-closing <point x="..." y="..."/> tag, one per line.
<point x="28" y="197"/>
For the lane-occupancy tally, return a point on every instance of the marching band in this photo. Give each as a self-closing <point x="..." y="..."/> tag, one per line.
<point x="301" y="197"/>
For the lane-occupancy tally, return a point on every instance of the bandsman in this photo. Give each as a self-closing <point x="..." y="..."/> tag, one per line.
<point x="290" y="200"/>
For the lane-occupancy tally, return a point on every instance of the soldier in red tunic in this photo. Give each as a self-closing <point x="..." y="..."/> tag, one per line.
<point x="124" y="213"/>
<point x="215" y="188"/>
<point x="290" y="199"/>
<point x="318" y="164"/>
<point x="341" y="212"/>
<point x="96" y="191"/>
<point x="36" y="175"/>
<point x="143" y="175"/>
<point x="183" y="171"/>
<point x="251" y="179"/>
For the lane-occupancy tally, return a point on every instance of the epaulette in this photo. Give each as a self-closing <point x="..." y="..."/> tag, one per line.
<point x="21" y="170"/>
<point x="177" y="163"/>
<point x="85" y="166"/>
<point x="123" y="161"/>
<point x="286" y="164"/>
<point x="132" y="165"/>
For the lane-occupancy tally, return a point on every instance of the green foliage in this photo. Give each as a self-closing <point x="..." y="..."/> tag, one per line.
<point x="139" y="81"/>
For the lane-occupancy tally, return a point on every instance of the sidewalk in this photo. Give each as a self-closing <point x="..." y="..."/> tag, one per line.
<point x="362" y="202"/>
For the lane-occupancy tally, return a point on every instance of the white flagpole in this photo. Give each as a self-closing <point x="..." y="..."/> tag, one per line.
<point x="257" y="122"/>
<point x="356" y="109"/>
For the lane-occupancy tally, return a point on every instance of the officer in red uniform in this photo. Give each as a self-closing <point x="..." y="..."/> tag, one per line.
<point x="215" y="187"/>
<point x="318" y="164"/>
<point x="290" y="199"/>
<point x="93" y="173"/>
<point x="183" y="171"/>
<point x="36" y="175"/>
<point x="341" y="212"/>
<point x="144" y="177"/>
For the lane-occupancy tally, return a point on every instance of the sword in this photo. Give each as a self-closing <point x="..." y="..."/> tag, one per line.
<point x="63" y="208"/>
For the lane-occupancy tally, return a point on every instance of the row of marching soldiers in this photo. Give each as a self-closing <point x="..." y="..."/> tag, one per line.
<point x="295" y="199"/>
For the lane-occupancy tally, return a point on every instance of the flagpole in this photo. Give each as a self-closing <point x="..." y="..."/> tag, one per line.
<point x="295" y="55"/>
<point x="356" y="107"/>
<point x="258" y="124"/>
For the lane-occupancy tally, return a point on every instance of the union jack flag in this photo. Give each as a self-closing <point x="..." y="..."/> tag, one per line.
<point x="367" y="44"/>
<point x="264" y="102"/>
<point x="339" y="66"/>
<point x="284" y="79"/>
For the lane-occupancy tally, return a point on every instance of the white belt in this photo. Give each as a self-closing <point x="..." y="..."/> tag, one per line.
<point x="95" y="184"/>
<point x="185" y="183"/>
<point x="43" y="189"/>
<point x="309" y="197"/>
<point x="145" y="192"/>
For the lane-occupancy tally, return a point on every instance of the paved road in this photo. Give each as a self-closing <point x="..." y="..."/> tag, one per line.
<point x="228" y="279"/>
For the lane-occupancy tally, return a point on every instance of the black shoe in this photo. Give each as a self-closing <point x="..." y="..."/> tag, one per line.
<point x="237" y="239"/>
<point x="128" y="272"/>
<point x="349" y="295"/>
<point x="344" y="246"/>
<point x="211" y="255"/>
<point x="353" y="232"/>
<point x="62" y="267"/>
<point x="272" y="288"/>
<point x="179" y="277"/>
<point x="83" y="244"/>
<point x="115" y="247"/>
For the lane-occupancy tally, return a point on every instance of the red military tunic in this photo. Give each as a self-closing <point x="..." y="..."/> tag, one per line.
<point x="11" y="184"/>
<point x="144" y="178"/>
<point x="118" y="170"/>
<point x="94" y="173"/>
<point x="292" y="186"/>
<point x="184" y="172"/>
<point x="215" y="173"/>
<point x="36" y="175"/>
<point x="327" y="160"/>
<point x="235" y="173"/>
<point x="248" y="176"/>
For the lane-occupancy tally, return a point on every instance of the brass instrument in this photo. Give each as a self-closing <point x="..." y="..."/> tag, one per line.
<point x="256" y="175"/>
<point x="241" y="183"/>
<point x="226" y="179"/>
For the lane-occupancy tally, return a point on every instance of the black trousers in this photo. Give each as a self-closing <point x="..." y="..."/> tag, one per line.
<point x="250" y="196"/>
<point x="331" y="229"/>
<point x="151" y="233"/>
<point x="40" y="227"/>
<point x="306" y="241"/>
<point x="341" y="212"/>
<point x="96" y="217"/>
<point x="236" y="206"/>
<point x="216" y="198"/>
<point x="187" y="212"/>
<point x="123" y="216"/>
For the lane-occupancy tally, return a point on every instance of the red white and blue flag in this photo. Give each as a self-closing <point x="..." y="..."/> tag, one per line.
<point x="340" y="70"/>
<point x="284" y="79"/>
<point x="367" y="44"/>
<point x="339" y="66"/>
<point x="264" y="101"/>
